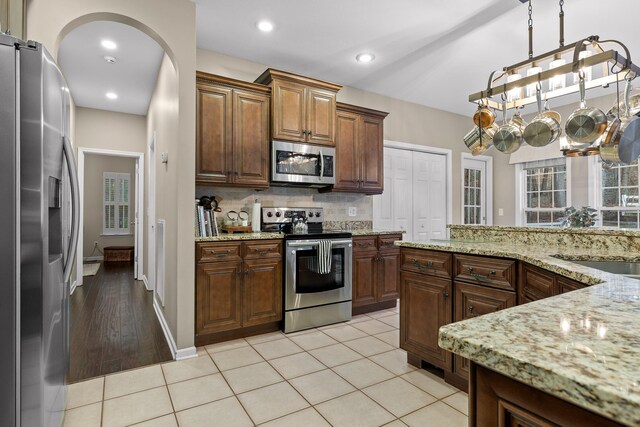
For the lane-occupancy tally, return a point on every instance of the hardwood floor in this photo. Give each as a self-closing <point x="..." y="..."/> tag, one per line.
<point x="113" y="325"/>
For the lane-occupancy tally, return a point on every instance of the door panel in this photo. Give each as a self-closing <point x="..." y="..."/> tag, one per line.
<point x="372" y="155"/>
<point x="472" y="301"/>
<point x="347" y="161"/>
<point x="214" y="138"/>
<point x="426" y="306"/>
<point x="251" y="139"/>
<point x="429" y="196"/>
<point x="218" y="297"/>
<point x="474" y="192"/>
<point x="288" y="111"/>
<point x="389" y="275"/>
<point x="364" y="277"/>
<point x="402" y="191"/>
<point x="321" y="110"/>
<point x="262" y="289"/>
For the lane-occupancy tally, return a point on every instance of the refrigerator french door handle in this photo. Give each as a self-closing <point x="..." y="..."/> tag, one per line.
<point x="75" y="207"/>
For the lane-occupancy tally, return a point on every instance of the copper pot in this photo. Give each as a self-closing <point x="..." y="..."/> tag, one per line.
<point x="484" y="117"/>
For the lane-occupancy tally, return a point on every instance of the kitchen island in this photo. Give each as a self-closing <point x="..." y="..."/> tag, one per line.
<point x="571" y="359"/>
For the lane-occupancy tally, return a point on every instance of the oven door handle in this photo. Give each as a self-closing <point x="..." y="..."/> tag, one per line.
<point x="334" y="243"/>
<point x="321" y="164"/>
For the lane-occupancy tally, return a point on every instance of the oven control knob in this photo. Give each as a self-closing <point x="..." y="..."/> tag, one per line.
<point x="278" y="214"/>
<point x="310" y="214"/>
<point x="318" y="214"/>
<point x="269" y="214"/>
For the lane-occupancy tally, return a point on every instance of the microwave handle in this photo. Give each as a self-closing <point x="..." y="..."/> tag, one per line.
<point x="321" y="164"/>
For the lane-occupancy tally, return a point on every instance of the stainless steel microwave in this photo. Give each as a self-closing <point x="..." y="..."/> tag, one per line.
<point x="311" y="165"/>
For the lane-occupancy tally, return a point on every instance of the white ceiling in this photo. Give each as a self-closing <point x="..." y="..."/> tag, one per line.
<point x="430" y="52"/>
<point x="90" y="77"/>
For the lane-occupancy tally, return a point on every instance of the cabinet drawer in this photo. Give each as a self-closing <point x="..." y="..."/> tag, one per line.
<point x="365" y="244"/>
<point x="216" y="251"/>
<point x="494" y="272"/>
<point x="385" y="243"/>
<point x="434" y="263"/>
<point x="263" y="249"/>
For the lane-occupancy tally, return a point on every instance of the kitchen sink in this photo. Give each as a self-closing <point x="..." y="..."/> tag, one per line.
<point x="625" y="268"/>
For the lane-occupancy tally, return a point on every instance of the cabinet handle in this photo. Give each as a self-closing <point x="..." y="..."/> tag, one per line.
<point x="426" y="265"/>
<point x="222" y="254"/>
<point x="262" y="252"/>
<point x="445" y="294"/>
<point x="309" y="132"/>
<point x="304" y="132"/>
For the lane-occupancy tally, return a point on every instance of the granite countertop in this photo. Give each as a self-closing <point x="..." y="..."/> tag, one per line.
<point x="551" y="230"/>
<point x="583" y="346"/>
<point x="371" y="232"/>
<point x="240" y="236"/>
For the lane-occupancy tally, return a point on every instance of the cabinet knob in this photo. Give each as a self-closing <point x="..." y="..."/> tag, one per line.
<point x="246" y="272"/>
<point x="471" y="309"/>
<point x="309" y="132"/>
<point x="445" y="294"/>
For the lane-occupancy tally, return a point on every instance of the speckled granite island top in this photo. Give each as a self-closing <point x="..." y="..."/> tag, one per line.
<point x="583" y="346"/>
<point x="225" y="237"/>
<point x="369" y="232"/>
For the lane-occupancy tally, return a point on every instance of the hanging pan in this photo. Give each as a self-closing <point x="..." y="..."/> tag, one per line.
<point x="621" y="144"/>
<point x="545" y="128"/>
<point x="586" y="124"/>
<point x="508" y="137"/>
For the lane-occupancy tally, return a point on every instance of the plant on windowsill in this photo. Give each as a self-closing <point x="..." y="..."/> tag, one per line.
<point x="583" y="217"/>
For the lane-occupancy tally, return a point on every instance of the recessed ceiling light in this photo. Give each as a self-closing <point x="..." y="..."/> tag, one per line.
<point x="111" y="95"/>
<point x="365" y="57"/>
<point x="265" y="26"/>
<point x="109" y="44"/>
<point x="110" y="59"/>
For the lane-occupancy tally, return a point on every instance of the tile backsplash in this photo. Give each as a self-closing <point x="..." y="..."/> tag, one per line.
<point x="336" y="205"/>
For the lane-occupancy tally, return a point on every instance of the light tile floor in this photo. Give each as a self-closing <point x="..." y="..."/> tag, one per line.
<point x="350" y="374"/>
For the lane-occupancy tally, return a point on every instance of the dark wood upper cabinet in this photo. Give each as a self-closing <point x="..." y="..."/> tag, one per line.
<point x="232" y="125"/>
<point x="359" y="150"/>
<point x="303" y="109"/>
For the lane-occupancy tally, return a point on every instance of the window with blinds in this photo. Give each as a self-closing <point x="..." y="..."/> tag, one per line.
<point x="116" y="197"/>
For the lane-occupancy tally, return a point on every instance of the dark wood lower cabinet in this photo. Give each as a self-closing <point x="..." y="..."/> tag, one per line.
<point x="425" y="307"/>
<point x="497" y="400"/>
<point x="376" y="273"/>
<point x="473" y="301"/>
<point x="238" y="289"/>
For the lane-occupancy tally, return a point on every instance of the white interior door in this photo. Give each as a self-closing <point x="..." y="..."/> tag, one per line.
<point x="415" y="195"/>
<point x="136" y="236"/>
<point x="474" y="191"/>
<point x="429" y="196"/>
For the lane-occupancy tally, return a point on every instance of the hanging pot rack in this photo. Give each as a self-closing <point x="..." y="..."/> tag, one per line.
<point x="610" y="59"/>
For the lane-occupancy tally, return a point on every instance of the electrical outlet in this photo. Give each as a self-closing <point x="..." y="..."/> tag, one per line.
<point x="353" y="211"/>
<point x="95" y="243"/>
<point x="500" y="212"/>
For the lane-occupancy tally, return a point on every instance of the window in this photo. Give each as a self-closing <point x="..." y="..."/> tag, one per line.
<point x="115" y="197"/>
<point x="618" y="196"/>
<point x="545" y="194"/>
<point x="472" y="188"/>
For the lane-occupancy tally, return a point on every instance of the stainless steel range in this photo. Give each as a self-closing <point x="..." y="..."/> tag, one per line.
<point x="317" y="282"/>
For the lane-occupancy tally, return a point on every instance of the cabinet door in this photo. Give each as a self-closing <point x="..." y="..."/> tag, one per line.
<point x="425" y="306"/>
<point x="321" y="113"/>
<point x="262" y="289"/>
<point x="218" y="297"/>
<point x="251" y="138"/>
<point x="214" y="135"/>
<point x="536" y="283"/>
<point x="347" y="159"/>
<point x="288" y="113"/>
<point x="388" y="275"/>
<point x="364" y="277"/>
<point x="472" y="301"/>
<point x="371" y="154"/>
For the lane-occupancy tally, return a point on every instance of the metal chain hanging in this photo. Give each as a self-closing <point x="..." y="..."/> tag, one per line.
<point x="561" y="23"/>
<point x="530" y="23"/>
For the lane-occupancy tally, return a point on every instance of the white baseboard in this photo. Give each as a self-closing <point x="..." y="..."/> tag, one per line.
<point x="93" y="258"/>
<point x="178" y="354"/>
<point x="146" y="283"/>
<point x="74" y="285"/>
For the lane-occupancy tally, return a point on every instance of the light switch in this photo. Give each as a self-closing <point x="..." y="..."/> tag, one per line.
<point x="353" y="211"/>
<point x="500" y="212"/>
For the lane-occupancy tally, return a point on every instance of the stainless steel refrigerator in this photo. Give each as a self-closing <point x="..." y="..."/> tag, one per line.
<point x="39" y="228"/>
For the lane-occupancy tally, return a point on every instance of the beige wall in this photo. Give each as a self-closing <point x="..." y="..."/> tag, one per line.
<point x="95" y="166"/>
<point x="406" y="122"/>
<point x="110" y="130"/>
<point x="171" y="23"/>
<point x="163" y="119"/>
<point x="505" y="174"/>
